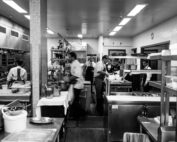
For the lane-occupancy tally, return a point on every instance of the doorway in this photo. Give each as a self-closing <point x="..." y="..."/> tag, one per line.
<point x="155" y="64"/>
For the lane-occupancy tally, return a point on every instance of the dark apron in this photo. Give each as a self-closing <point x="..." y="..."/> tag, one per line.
<point x="89" y="74"/>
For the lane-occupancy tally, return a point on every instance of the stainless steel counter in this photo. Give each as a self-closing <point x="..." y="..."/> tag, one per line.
<point x="126" y="98"/>
<point x="122" y="110"/>
<point x="8" y="96"/>
<point x="117" y="86"/>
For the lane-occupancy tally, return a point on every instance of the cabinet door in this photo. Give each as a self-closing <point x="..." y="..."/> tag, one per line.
<point x="123" y="118"/>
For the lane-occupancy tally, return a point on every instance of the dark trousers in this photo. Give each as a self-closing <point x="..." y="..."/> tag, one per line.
<point x="76" y="109"/>
<point x="99" y="86"/>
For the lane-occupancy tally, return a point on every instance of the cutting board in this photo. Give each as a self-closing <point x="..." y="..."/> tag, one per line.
<point x="31" y="135"/>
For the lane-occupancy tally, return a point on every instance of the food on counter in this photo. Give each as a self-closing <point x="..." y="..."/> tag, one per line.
<point x="145" y="94"/>
<point x="15" y="110"/>
<point x="115" y="77"/>
<point x="15" y="90"/>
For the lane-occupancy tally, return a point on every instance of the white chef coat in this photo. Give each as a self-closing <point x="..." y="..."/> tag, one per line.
<point x="100" y="66"/>
<point x="12" y="75"/>
<point x="76" y="70"/>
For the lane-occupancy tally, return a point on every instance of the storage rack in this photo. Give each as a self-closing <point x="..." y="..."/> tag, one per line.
<point x="166" y="90"/>
<point x="58" y="51"/>
<point x="81" y="55"/>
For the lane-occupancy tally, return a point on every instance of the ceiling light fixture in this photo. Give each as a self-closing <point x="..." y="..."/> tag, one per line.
<point x="112" y="33"/>
<point x="124" y="21"/>
<point x="27" y="16"/>
<point x="15" y="6"/>
<point x="136" y="9"/>
<point x="50" y="31"/>
<point x="117" y="28"/>
<point x="80" y="36"/>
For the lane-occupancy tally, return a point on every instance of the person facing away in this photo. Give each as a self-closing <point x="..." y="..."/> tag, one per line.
<point x="17" y="74"/>
<point x="99" y="74"/>
<point x="78" y="82"/>
<point x="147" y="76"/>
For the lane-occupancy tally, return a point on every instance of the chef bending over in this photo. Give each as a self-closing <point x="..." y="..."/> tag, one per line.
<point x="17" y="74"/>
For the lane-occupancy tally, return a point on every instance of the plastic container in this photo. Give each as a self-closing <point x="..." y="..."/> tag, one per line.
<point x="15" y="123"/>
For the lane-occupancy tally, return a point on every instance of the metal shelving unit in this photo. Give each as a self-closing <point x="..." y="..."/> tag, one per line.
<point x="166" y="90"/>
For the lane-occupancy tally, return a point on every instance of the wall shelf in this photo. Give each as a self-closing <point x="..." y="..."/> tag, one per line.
<point x="170" y="90"/>
<point x="165" y="58"/>
<point x="128" y="57"/>
<point x="156" y="84"/>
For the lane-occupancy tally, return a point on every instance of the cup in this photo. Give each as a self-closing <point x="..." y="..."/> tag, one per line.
<point x="49" y="91"/>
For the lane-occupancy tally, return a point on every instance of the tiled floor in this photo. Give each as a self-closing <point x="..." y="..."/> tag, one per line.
<point x="90" y="129"/>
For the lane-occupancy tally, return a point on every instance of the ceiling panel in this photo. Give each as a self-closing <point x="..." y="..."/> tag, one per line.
<point x="11" y="14"/>
<point x="101" y="16"/>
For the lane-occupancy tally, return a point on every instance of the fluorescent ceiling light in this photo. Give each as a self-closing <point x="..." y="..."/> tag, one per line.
<point x="27" y="16"/>
<point x="80" y="36"/>
<point x="136" y="9"/>
<point x="124" y="21"/>
<point x="15" y="6"/>
<point x="116" y="29"/>
<point x="112" y="33"/>
<point x="50" y="31"/>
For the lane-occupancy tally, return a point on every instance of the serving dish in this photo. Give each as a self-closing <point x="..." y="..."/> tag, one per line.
<point x="41" y="120"/>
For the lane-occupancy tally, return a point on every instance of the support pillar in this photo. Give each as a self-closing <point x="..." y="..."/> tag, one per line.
<point x="100" y="46"/>
<point x="38" y="48"/>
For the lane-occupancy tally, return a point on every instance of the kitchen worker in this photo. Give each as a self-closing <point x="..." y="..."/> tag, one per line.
<point x="89" y="71"/>
<point x="99" y="74"/>
<point x="109" y="66"/>
<point x="78" y="82"/>
<point x="147" y="77"/>
<point x="116" y="65"/>
<point x="17" y="74"/>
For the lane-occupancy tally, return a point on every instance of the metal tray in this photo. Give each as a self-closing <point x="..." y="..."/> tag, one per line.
<point x="42" y="120"/>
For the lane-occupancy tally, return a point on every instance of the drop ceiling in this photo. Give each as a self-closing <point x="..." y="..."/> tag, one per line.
<point x="99" y="17"/>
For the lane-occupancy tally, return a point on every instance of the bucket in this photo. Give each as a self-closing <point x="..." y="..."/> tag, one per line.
<point x="15" y="123"/>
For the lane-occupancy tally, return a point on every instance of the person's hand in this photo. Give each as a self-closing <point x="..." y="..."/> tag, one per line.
<point x="106" y="74"/>
<point x="145" y="83"/>
<point x="130" y="73"/>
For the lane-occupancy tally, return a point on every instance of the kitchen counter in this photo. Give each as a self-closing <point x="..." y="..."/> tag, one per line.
<point x="155" y="132"/>
<point x="8" y="96"/>
<point x="150" y="127"/>
<point x="126" y="98"/>
<point x="122" y="110"/>
<point x="40" y="129"/>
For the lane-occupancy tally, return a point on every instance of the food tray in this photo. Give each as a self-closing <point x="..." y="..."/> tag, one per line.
<point x="42" y="120"/>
